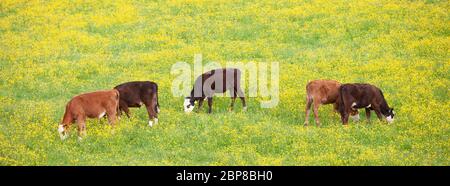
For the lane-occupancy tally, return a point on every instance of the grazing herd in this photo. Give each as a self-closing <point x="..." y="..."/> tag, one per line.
<point x="346" y="98"/>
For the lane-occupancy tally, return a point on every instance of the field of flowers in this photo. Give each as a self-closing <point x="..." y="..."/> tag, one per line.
<point x="53" y="50"/>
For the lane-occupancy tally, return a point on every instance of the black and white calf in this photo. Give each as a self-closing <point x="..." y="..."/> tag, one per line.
<point x="356" y="96"/>
<point x="138" y="93"/>
<point x="215" y="81"/>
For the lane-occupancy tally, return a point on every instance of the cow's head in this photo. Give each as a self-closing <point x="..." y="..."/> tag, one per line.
<point x="188" y="104"/>
<point x="390" y="115"/>
<point x="62" y="131"/>
<point x="354" y="114"/>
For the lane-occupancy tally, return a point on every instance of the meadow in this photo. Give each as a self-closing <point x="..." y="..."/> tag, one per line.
<point x="53" y="50"/>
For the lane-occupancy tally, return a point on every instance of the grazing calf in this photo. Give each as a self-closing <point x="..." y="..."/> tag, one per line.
<point x="136" y="93"/>
<point x="89" y="105"/>
<point x="322" y="92"/>
<point x="215" y="81"/>
<point x="357" y="95"/>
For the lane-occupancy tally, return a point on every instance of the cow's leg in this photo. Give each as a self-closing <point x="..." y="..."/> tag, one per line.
<point x="150" y="103"/>
<point x="368" y="114"/>
<point x="151" y="115"/>
<point x="112" y="116"/>
<point x="345" y="112"/>
<point x="344" y="117"/>
<point x="233" y="94"/>
<point x="307" y="110"/>
<point x="241" y="95"/>
<point x="210" y="102"/>
<point x="81" y="121"/>
<point x="200" y="104"/>
<point x="316" y="111"/>
<point x="124" y="106"/>
<point x="379" y="115"/>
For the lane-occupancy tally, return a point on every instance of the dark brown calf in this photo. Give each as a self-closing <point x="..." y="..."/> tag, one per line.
<point x="138" y="93"/>
<point x="89" y="105"/>
<point x="356" y="96"/>
<point x="322" y="92"/>
<point x="215" y="81"/>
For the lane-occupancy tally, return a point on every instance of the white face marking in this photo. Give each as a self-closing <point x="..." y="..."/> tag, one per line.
<point x="61" y="132"/>
<point x="101" y="115"/>
<point x="355" y="117"/>
<point x="186" y="104"/>
<point x="60" y="128"/>
<point x="389" y="119"/>
<point x="368" y="106"/>
<point x="150" y="123"/>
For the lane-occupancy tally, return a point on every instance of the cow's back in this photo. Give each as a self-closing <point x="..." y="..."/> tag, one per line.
<point x="328" y="90"/>
<point x="93" y="103"/>
<point x="133" y="91"/>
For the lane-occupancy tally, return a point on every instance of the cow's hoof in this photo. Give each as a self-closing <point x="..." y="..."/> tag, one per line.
<point x="150" y="123"/>
<point x="244" y="109"/>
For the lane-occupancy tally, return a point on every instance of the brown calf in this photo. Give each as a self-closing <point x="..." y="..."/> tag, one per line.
<point x="322" y="92"/>
<point x="356" y="96"/>
<point x="89" y="105"/>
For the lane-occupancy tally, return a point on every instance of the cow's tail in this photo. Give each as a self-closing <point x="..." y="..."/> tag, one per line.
<point x="341" y="103"/>
<point x="155" y="94"/>
<point x="309" y="98"/>
<point x="117" y="98"/>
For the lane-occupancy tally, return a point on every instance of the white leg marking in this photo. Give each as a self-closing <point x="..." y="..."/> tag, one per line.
<point x="368" y="106"/>
<point x="245" y="108"/>
<point x="102" y="114"/>
<point x="150" y="123"/>
<point x="156" y="120"/>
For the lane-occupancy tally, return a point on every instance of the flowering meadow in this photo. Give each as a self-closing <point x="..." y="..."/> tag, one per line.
<point x="51" y="51"/>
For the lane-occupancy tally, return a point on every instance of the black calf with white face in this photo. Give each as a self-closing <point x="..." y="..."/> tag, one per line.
<point x="355" y="96"/>
<point x="189" y="104"/>
<point x="215" y="81"/>
<point x="389" y="115"/>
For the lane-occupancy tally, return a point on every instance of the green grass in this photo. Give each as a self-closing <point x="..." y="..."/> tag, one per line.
<point x="54" y="50"/>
